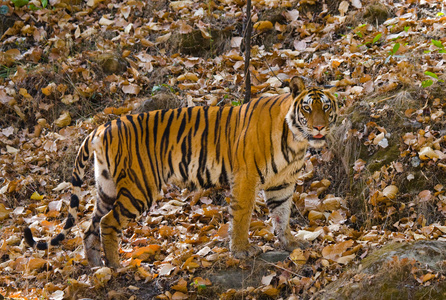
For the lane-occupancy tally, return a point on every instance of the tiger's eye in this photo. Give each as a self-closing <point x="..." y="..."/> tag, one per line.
<point x="306" y="107"/>
<point x="326" y="107"/>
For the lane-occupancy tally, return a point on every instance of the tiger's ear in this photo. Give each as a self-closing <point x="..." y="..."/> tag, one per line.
<point x="297" y="85"/>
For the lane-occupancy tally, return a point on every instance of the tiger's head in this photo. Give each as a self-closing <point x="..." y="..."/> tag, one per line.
<point x="312" y="113"/>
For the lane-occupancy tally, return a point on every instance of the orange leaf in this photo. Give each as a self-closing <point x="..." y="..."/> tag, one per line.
<point x="201" y="281"/>
<point x="270" y="291"/>
<point x="335" y="251"/>
<point x="179" y="296"/>
<point x="166" y="231"/>
<point x="144" y="273"/>
<point x="428" y="277"/>
<point x="181" y="286"/>
<point x="145" y="253"/>
<point x="263" y="25"/>
<point x="223" y="231"/>
<point x="135" y="262"/>
<point x="36" y="263"/>
<point x="63" y="120"/>
<point x="47" y="90"/>
<point x="4" y="212"/>
<point x="298" y="256"/>
<point x="190" y="264"/>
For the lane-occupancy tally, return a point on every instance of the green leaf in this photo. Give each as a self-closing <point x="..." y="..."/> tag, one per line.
<point x="442" y="51"/>
<point x="156" y="88"/>
<point x="359" y="33"/>
<point x="235" y="103"/>
<point x="377" y="37"/>
<point x="395" y="48"/>
<point x="431" y="74"/>
<point x="44" y="3"/>
<point x="406" y="28"/>
<point x="427" y="83"/>
<point x="437" y="43"/>
<point x="20" y="3"/>
<point x="440" y="14"/>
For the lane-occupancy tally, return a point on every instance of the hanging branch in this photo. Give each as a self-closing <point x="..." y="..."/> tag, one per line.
<point x="248" y="30"/>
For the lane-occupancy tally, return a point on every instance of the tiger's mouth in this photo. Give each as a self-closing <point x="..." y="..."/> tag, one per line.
<point x="318" y="137"/>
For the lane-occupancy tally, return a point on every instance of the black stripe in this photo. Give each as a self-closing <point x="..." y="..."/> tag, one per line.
<point x="55" y="241"/>
<point x="163" y="113"/>
<point x="70" y="222"/>
<point x="169" y="161"/>
<point x="141" y="163"/>
<point x="223" y="178"/>
<point x="104" y="197"/>
<point x="284" y="142"/>
<point x="138" y="204"/>
<point x="197" y="120"/>
<point x="189" y="113"/>
<point x="181" y="129"/>
<point x="202" y="160"/>
<point x="107" y="137"/>
<point x="105" y="174"/>
<point x="76" y="180"/>
<point x="165" y="138"/>
<point x="262" y="179"/>
<point x="183" y="166"/>
<point x="273" y="163"/>
<point x="74" y="201"/>
<point x="274" y="203"/>
<point x="278" y="187"/>
<point x="155" y="126"/>
<point x="149" y="143"/>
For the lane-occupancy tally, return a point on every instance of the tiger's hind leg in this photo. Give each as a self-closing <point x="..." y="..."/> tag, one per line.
<point x="106" y="196"/>
<point x="279" y="199"/>
<point x="131" y="203"/>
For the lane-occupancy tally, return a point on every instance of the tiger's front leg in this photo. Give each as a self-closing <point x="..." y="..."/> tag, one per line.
<point x="242" y="204"/>
<point x="279" y="199"/>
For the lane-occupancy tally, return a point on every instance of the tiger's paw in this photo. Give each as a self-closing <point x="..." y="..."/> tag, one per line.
<point x="246" y="252"/>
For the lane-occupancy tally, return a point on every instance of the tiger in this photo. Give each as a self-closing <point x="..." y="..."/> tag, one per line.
<point x="254" y="147"/>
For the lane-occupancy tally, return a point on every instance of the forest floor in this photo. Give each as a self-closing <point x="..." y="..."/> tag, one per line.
<point x="67" y="66"/>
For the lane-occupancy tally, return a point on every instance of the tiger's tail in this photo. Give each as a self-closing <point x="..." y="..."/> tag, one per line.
<point x="83" y="155"/>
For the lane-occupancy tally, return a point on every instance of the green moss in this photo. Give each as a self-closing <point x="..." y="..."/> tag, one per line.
<point x="384" y="156"/>
<point x="388" y="273"/>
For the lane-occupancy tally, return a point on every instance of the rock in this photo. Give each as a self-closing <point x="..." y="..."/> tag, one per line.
<point x="396" y="271"/>
<point x="274" y="256"/>
<point x="251" y="276"/>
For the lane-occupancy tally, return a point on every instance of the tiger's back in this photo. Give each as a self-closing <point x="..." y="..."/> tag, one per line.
<point x="256" y="146"/>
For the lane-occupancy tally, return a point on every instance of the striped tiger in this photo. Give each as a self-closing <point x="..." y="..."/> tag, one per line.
<point x="257" y="146"/>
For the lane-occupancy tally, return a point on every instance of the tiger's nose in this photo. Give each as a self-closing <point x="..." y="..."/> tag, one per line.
<point x="319" y="127"/>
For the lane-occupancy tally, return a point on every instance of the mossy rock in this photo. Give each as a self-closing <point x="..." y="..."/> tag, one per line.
<point x="388" y="273"/>
<point x="377" y="13"/>
<point x="196" y="44"/>
<point x="382" y="157"/>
